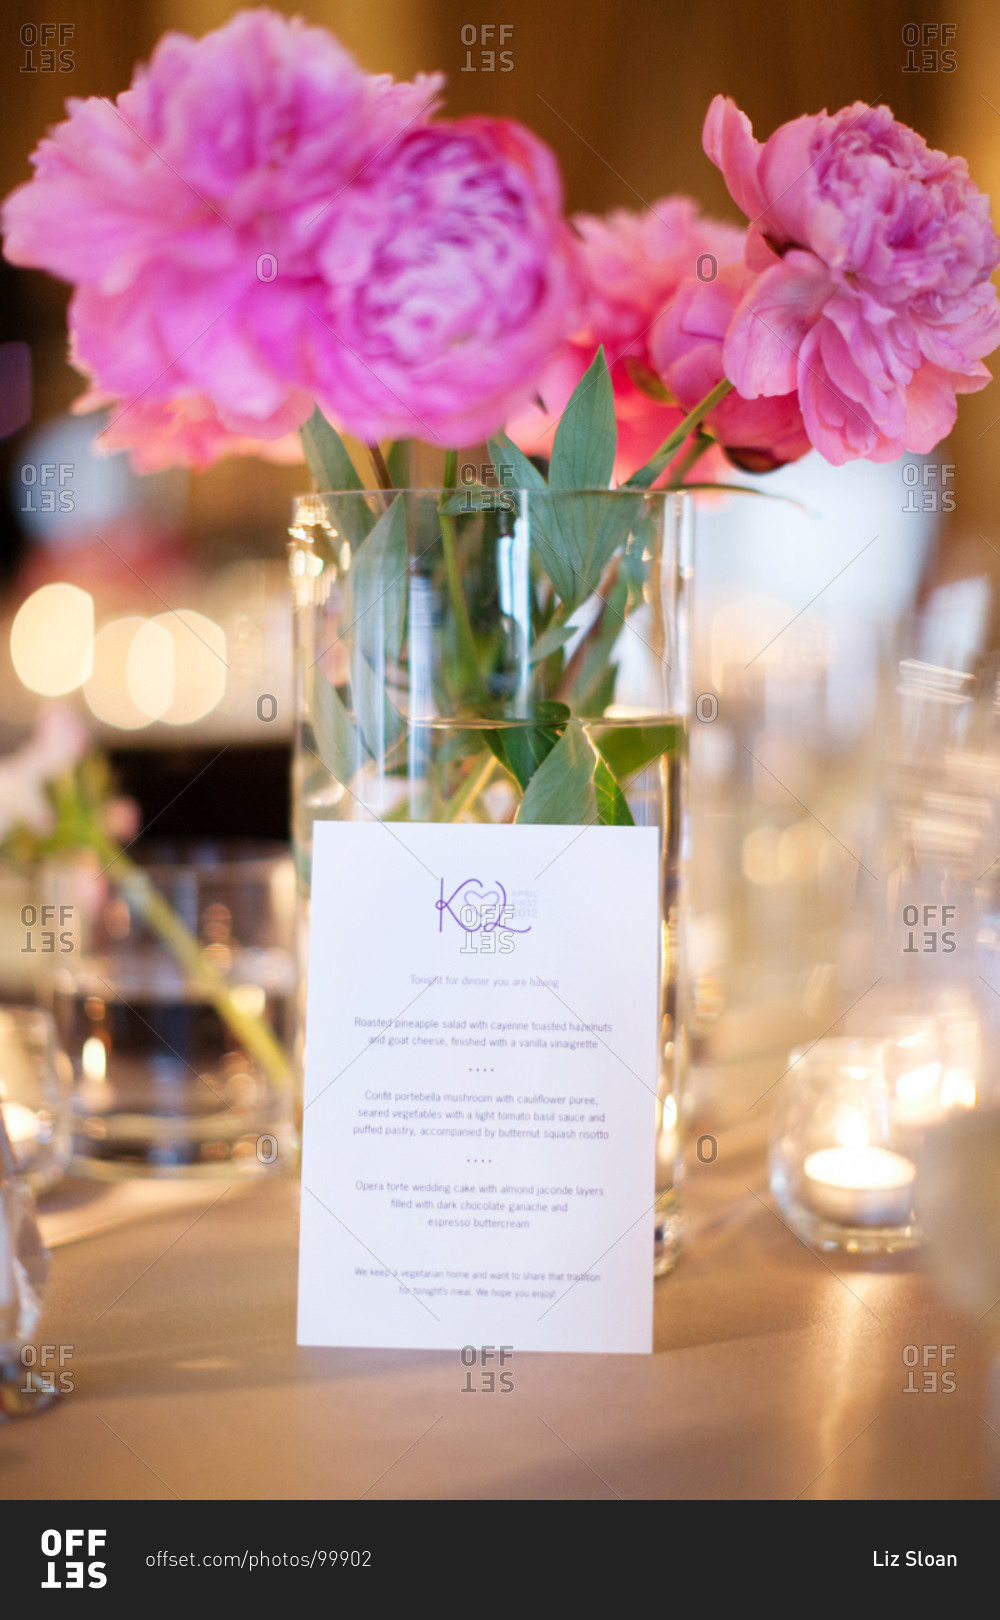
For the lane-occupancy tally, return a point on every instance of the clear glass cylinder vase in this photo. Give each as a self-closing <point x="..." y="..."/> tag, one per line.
<point x="444" y="644"/>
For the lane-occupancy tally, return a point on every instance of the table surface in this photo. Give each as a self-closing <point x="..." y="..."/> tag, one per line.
<point x="777" y="1373"/>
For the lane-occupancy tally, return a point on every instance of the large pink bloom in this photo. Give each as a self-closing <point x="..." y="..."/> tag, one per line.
<point x="450" y="277"/>
<point x="187" y="214"/>
<point x="632" y="264"/>
<point x="187" y="431"/>
<point x="872" y="298"/>
<point x="686" y="348"/>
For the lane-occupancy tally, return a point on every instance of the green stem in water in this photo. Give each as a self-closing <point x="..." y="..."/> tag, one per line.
<point x="470" y="790"/>
<point x="459" y="607"/>
<point x="253" y="1032"/>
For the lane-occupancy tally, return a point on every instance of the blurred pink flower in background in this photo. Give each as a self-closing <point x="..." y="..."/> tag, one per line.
<point x="632" y="263"/>
<point x="122" y="818"/>
<point x="872" y="295"/>
<point x="189" y="432"/>
<point x="55" y="747"/>
<point x="686" y="346"/>
<point x="450" y="277"/>
<point x="187" y="214"/>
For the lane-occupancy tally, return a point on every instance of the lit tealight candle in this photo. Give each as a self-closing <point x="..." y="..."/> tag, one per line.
<point x="860" y="1185"/>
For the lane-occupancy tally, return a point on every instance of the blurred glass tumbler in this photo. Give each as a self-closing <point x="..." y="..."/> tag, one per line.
<point x="24" y="1266"/>
<point x="163" y="1086"/>
<point x="36" y="1080"/>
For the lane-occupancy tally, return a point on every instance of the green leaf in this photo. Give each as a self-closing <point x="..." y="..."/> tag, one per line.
<point x="575" y="535"/>
<point x="583" y="451"/>
<point x="327" y="455"/>
<point x="333" y="469"/>
<point x="513" y="469"/>
<point x="573" y="786"/>
<point x="375" y="586"/>
<point x="381" y="723"/>
<point x="340" y="746"/>
<point x="629" y="749"/>
<point x="719" y="488"/>
<point x="612" y="805"/>
<point x="522" y="746"/>
<point x="399" y="462"/>
<point x="562" y="789"/>
<point x="374" y="618"/>
<point x="648" y="382"/>
<point x="551" y="640"/>
<point x="596" y="686"/>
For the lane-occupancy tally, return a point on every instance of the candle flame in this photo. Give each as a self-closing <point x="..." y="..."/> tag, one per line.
<point x="853" y="1133"/>
<point x="94" y="1059"/>
<point x="919" y="1082"/>
<point x="958" y="1089"/>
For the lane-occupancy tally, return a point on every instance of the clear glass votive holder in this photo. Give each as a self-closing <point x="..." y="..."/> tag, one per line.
<point x="841" y="1174"/>
<point x="36" y="1079"/>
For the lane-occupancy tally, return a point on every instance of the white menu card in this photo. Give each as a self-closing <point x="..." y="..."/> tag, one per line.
<point x="479" y="1122"/>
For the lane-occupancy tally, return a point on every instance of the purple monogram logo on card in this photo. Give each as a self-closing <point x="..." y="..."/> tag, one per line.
<point x="476" y="909"/>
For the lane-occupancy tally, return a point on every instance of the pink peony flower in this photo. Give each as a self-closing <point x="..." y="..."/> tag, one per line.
<point x="872" y="297"/>
<point x="55" y="747"/>
<point x="188" y="431"/>
<point x="187" y="214"/>
<point x="686" y="347"/>
<point x="632" y="265"/>
<point x="449" y="278"/>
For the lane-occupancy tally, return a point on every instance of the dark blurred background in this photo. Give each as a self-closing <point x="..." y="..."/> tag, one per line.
<point x="620" y="92"/>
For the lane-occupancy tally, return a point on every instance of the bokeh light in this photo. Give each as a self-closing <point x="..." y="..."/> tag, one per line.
<point x="52" y="640"/>
<point x="150" y="668"/>
<point x="199" y="665"/>
<point x="107" y="693"/>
